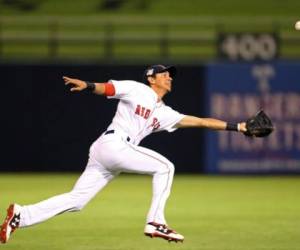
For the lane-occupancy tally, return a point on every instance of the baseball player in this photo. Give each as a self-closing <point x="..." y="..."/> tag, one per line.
<point x="140" y="112"/>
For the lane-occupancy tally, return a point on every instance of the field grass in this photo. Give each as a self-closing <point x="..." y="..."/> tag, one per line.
<point x="214" y="213"/>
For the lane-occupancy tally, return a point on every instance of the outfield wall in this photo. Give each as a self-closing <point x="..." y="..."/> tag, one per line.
<point x="46" y="128"/>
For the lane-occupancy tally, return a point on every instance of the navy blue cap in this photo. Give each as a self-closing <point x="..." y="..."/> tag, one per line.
<point x="155" y="69"/>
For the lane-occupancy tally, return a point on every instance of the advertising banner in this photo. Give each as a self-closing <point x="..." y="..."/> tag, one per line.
<point x="236" y="92"/>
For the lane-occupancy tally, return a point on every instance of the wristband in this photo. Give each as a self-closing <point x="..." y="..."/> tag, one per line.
<point x="232" y="126"/>
<point x="90" y="86"/>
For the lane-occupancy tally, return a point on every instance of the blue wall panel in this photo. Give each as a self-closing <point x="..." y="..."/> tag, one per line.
<point x="234" y="92"/>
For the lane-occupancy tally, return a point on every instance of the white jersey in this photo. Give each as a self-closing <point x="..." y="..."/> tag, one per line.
<point x="139" y="112"/>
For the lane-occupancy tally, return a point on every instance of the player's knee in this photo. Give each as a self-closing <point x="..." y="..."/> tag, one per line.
<point x="78" y="202"/>
<point x="171" y="168"/>
<point x="167" y="168"/>
<point x="78" y="206"/>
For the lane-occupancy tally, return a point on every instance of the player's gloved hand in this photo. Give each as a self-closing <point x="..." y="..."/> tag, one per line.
<point x="75" y="84"/>
<point x="260" y="125"/>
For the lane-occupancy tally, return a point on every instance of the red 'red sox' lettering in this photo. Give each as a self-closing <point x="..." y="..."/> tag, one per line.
<point x="142" y="111"/>
<point x="155" y="123"/>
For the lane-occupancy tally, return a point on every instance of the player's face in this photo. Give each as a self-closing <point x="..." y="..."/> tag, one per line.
<point x="164" y="81"/>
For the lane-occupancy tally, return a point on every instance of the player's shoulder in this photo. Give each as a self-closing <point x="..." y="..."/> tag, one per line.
<point x="128" y="83"/>
<point x="123" y="82"/>
<point x="131" y="85"/>
<point x="164" y="107"/>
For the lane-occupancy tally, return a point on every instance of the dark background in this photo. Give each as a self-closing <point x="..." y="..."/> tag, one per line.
<point x="47" y="128"/>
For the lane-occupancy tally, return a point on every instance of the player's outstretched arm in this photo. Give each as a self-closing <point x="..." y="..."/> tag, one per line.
<point x="210" y="123"/>
<point x="79" y="85"/>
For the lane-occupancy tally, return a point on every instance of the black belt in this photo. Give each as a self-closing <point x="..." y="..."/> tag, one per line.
<point x="113" y="131"/>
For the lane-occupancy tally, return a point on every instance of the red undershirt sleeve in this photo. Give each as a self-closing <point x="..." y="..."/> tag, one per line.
<point x="109" y="89"/>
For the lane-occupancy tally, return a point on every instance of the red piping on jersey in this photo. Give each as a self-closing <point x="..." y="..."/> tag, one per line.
<point x="109" y="89"/>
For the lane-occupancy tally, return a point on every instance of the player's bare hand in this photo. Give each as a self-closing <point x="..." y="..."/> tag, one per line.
<point x="75" y="84"/>
<point x="243" y="127"/>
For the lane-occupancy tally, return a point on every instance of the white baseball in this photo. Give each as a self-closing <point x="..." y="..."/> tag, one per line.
<point x="297" y="25"/>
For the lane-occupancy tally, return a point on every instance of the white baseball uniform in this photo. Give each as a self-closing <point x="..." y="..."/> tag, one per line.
<point x="139" y="113"/>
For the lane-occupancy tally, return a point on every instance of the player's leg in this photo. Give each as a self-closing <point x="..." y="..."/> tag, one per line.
<point x="87" y="186"/>
<point x="92" y="180"/>
<point x="145" y="161"/>
<point x="135" y="159"/>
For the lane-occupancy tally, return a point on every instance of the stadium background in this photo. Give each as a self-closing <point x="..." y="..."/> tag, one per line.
<point x="99" y="40"/>
<point x="44" y="128"/>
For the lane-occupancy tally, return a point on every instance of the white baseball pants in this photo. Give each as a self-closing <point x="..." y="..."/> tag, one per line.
<point x="109" y="156"/>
